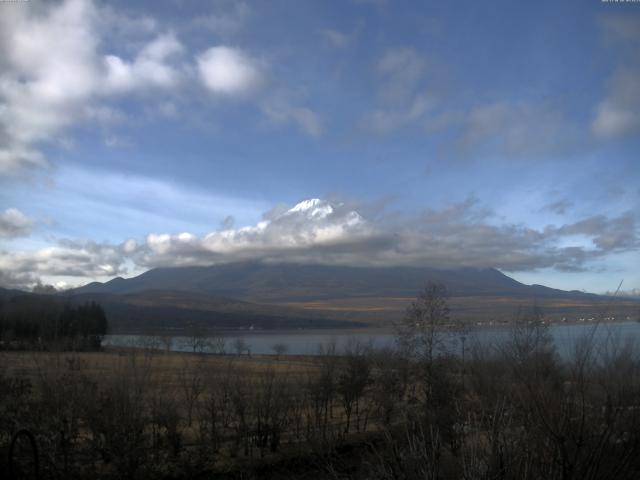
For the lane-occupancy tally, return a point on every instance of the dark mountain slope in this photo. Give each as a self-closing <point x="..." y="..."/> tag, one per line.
<point x="160" y="310"/>
<point x="260" y="282"/>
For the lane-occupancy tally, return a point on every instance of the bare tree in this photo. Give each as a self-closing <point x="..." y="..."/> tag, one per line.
<point x="192" y="385"/>
<point x="279" y="349"/>
<point x="240" y="346"/>
<point x="217" y="412"/>
<point x="196" y="338"/>
<point x="218" y="343"/>
<point x="389" y="383"/>
<point x="420" y="334"/>
<point x="420" y="330"/>
<point x="149" y="344"/>
<point x="353" y="379"/>
<point x="167" y="341"/>
<point x="321" y="389"/>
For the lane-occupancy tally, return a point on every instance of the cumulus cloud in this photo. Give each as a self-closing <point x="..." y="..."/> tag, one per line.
<point x="607" y="234"/>
<point x="43" y="82"/>
<point x="150" y="67"/>
<point x="67" y="258"/>
<point x="228" y="71"/>
<point x="53" y="71"/>
<point x="14" y="223"/>
<point x="129" y="246"/>
<point x="310" y="225"/>
<point x="68" y="63"/>
<point x="317" y="231"/>
<point x="232" y="72"/>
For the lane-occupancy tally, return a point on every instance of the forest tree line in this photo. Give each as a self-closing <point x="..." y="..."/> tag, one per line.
<point x="45" y="322"/>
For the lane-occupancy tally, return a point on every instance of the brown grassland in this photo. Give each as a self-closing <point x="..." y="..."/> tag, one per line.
<point x="382" y="311"/>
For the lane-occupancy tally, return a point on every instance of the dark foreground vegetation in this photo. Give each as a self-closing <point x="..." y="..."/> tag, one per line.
<point x="45" y="322"/>
<point x="513" y="412"/>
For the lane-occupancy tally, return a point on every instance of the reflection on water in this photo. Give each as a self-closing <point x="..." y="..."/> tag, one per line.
<point x="564" y="336"/>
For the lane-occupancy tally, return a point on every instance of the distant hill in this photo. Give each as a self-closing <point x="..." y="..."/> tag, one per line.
<point x="162" y="310"/>
<point x="176" y="310"/>
<point x="261" y="282"/>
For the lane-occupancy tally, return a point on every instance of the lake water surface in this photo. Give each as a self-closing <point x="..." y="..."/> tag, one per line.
<point x="564" y="336"/>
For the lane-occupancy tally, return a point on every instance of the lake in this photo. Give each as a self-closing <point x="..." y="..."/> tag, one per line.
<point x="564" y="336"/>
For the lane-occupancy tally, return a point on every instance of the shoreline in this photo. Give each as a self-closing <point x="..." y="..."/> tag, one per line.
<point x="364" y="330"/>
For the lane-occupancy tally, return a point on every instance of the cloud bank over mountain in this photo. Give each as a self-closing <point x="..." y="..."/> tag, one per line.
<point x="317" y="231"/>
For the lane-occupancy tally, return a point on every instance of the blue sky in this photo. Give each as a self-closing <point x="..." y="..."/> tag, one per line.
<point x="141" y="134"/>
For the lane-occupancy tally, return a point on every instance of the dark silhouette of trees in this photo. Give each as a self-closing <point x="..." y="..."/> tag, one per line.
<point x="279" y="349"/>
<point x="420" y="331"/>
<point x="37" y="320"/>
<point x="353" y="379"/>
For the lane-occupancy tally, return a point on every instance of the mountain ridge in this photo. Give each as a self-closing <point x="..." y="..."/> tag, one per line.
<point x="266" y="296"/>
<point x="262" y="282"/>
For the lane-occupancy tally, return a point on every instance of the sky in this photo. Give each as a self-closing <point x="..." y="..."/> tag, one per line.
<point x="498" y="134"/>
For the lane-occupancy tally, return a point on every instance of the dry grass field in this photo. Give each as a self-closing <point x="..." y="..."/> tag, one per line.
<point x="166" y="368"/>
<point x="383" y="311"/>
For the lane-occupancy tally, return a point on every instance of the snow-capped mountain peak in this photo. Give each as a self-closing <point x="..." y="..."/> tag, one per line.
<point x="314" y="208"/>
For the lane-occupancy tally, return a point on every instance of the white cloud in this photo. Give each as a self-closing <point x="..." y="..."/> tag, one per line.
<point x="129" y="246"/>
<point x="43" y="82"/>
<point x="149" y="68"/>
<point x="53" y="70"/>
<point x="14" y="223"/>
<point x="64" y="64"/>
<point x="228" y="71"/>
<point x="308" y="225"/>
<point x="83" y="259"/>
